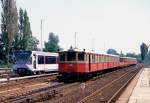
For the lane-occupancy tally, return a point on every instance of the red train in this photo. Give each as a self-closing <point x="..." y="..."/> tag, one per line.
<point x="75" y="62"/>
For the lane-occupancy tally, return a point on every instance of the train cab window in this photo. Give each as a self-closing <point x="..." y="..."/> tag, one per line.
<point x="29" y="60"/>
<point x="87" y="57"/>
<point x="71" y="56"/>
<point x="40" y="59"/>
<point x="81" y="56"/>
<point x="62" y="57"/>
<point x="50" y="60"/>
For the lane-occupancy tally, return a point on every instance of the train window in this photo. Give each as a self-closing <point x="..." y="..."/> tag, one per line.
<point x="105" y="58"/>
<point x="99" y="58"/>
<point x="96" y="58"/>
<point x="40" y="59"/>
<point x="86" y="57"/>
<point x="50" y="60"/>
<point x="29" y="60"/>
<point x="111" y="59"/>
<point x="62" y="57"/>
<point x="102" y="59"/>
<point x="92" y="58"/>
<point x="71" y="56"/>
<point x="81" y="56"/>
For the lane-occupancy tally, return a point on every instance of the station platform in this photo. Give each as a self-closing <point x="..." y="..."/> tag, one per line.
<point x="138" y="90"/>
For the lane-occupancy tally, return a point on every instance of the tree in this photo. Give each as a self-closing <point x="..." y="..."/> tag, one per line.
<point x="27" y="33"/>
<point x="52" y="44"/>
<point x="131" y="55"/>
<point x="18" y="44"/>
<point x="9" y="26"/>
<point x="32" y="43"/>
<point x="144" y="50"/>
<point x="112" y="51"/>
<point x="121" y="54"/>
<point x="24" y="40"/>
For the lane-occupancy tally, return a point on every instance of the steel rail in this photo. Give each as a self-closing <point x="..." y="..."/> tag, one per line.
<point x="122" y="88"/>
<point x="26" y="77"/>
<point x="99" y="90"/>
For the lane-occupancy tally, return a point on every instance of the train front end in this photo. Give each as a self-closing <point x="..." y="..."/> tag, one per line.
<point x="72" y="63"/>
<point x="23" y="63"/>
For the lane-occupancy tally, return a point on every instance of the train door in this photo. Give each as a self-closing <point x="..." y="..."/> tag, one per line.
<point x="40" y="62"/>
<point x="89" y="62"/>
<point x="34" y="61"/>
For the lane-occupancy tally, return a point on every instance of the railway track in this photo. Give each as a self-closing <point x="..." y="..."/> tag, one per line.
<point x="23" y="85"/>
<point x="109" y="92"/>
<point x="58" y="92"/>
<point x="79" y="95"/>
<point x="43" y="94"/>
<point x="4" y="72"/>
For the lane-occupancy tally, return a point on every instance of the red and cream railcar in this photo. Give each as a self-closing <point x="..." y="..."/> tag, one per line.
<point x="128" y="61"/>
<point x="82" y="62"/>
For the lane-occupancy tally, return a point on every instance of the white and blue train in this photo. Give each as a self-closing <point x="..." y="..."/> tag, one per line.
<point x="34" y="62"/>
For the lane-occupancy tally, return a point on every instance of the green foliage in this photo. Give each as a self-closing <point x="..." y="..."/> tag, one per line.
<point x="14" y="36"/>
<point x="144" y="50"/>
<point x="32" y="44"/>
<point x="112" y="51"/>
<point x="24" y="40"/>
<point x="52" y="44"/>
<point x="137" y="56"/>
<point x="9" y="27"/>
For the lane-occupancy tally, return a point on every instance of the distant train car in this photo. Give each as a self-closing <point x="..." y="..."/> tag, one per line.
<point x="34" y="62"/>
<point x="75" y="62"/>
<point x="128" y="61"/>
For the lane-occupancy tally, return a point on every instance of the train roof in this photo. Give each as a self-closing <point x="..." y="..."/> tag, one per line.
<point x="40" y="53"/>
<point x="48" y="53"/>
<point x="89" y="52"/>
<point x="128" y="57"/>
<point x="94" y="52"/>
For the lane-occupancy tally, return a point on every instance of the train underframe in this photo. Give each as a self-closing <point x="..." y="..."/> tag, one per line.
<point x="85" y="76"/>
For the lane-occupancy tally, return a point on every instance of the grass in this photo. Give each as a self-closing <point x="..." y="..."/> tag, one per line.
<point x="4" y="66"/>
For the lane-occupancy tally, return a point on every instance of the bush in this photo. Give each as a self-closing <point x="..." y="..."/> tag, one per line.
<point x="3" y="64"/>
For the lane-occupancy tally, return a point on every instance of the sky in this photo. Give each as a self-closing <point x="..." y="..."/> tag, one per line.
<point x="100" y="24"/>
